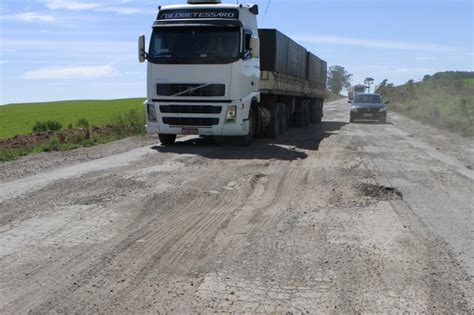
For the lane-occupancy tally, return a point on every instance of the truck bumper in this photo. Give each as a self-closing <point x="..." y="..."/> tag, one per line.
<point x="200" y="119"/>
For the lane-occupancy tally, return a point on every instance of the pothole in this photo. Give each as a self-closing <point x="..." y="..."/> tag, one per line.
<point x="380" y="192"/>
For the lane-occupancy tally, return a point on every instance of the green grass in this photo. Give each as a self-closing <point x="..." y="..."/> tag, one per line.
<point x="446" y="104"/>
<point x="17" y="119"/>
<point x="469" y="81"/>
<point x="126" y="124"/>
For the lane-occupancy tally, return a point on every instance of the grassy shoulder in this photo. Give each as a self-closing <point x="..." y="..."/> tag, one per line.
<point x="446" y="104"/>
<point x="19" y="119"/>
<point x="124" y="125"/>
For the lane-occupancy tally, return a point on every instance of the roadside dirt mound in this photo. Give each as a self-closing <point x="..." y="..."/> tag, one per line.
<point x="35" y="139"/>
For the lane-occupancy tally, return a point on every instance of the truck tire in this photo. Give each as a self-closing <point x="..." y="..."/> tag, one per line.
<point x="319" y="112"/>
<point x="299" y="115"/>
<point x="299" y="119"/>
<point x="313" y="109"/>
<point x="167" y="139"/>
<point x="253" y="127"/>
<point x="283" y="119"/>
<point x="306" y="115"/>
<point x="273" y="129"/>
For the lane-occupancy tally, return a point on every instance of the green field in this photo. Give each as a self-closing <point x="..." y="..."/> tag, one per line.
<point x="18" y="119"/>
<point x="469" y="81"/>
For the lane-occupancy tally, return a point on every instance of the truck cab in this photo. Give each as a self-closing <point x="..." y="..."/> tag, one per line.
<point x="203" y="69"/>
<point x="356" y="90"/>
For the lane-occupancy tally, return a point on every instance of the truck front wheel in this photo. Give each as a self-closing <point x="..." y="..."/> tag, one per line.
<point x="167" y="139"/>
<point x="253" y="127"/>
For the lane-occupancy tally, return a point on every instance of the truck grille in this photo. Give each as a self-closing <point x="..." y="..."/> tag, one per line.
<point x="190" y="109"/>
<point x="185" y="121"/>
<point x="196" y="90"/>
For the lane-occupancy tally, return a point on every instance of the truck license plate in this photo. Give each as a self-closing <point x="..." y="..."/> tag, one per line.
<point x="190" y="131"/>
<point x="368" y="115"/>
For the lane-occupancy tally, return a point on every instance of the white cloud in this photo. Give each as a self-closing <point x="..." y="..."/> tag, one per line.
<point x="70" y="72"/>
<point x="124" y="10"/>
<point x="30" y="17"/>
<point x="371" y="43"/>
<point x="94" y="6"/>
<point x="71" y="5"/>
<point x="388" y="68"/>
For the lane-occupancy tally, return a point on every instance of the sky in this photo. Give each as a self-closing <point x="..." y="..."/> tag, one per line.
<point x="87" y="49"/>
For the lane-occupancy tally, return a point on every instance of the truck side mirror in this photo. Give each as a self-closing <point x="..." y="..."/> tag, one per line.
<point x="141" y="49"/>
<point x="255" y="47"/>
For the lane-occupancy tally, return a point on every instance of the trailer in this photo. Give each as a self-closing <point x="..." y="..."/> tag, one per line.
<point x="212" y="72"/>
<point x="292" y="77"/>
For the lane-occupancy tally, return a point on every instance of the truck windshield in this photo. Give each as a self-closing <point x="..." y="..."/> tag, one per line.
<point x="368" y="99"/>
<point x="194" y="45"/>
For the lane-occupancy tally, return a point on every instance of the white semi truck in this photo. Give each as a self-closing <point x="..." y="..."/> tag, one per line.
<point x="356" y="90"/>
<point x="212" y="72"/>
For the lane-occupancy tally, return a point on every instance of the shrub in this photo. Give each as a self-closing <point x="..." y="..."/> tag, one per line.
<point x="83" y="123"/>
<point x="54" y="125"/>
<point x="69" y="126"/>
<point x="52" y="145"/>
<point x="131" y="123"/>
<point x="40" y="127"/>
<point x="78" y="138"/>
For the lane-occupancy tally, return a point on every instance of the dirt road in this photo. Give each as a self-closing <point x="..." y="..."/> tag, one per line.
<point x="348" y="218"/>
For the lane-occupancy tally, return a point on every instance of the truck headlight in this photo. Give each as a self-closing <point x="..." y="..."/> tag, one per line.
<point x="151" y="112"/>
<point x="232" y="113"/>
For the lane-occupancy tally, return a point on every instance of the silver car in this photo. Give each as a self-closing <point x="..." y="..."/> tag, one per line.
<point x="368" y="107"/>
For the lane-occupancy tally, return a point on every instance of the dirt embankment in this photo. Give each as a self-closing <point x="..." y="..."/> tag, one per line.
<point x="67" y="135"/>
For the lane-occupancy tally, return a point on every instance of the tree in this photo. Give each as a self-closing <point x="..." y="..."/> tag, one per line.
<point x="426" y="78"/>
<point x="381" y="85"/>
<point x="338" y="78"/>
<point x="369" y="82"/>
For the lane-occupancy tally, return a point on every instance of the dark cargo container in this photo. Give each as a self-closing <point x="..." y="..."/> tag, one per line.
<point x="280" y="54"/>
<point x="314" y="69"/>
<point x="273" y="51"/>
<point x="324" y="72"/>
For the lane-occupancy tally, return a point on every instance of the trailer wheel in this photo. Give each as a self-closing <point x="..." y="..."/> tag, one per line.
<point x="299" y="117"/>
<point x="313" y="110"/>
<point x="273" y="129"/>
<point x="283" y="119"/>
<point x="319" y="112"/>
<point x="167" y="139"/>
<point x="306" y="115"/>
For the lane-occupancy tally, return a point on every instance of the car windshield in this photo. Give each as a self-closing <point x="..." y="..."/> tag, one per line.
<point x="181" y="44"/>
<point x="372" y="99"/>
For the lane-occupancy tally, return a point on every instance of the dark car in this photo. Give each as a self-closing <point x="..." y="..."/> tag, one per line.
<point x="368" y="107"/>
